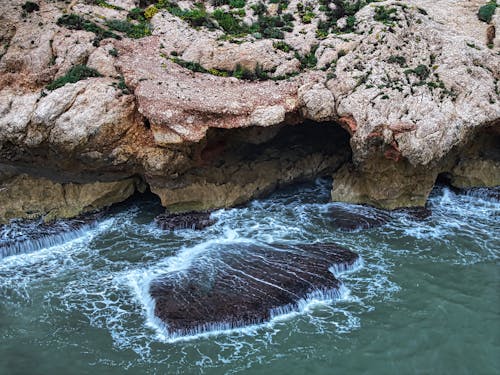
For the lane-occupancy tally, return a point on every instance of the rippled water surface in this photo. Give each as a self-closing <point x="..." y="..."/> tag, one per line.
<point x="426" y="299"/>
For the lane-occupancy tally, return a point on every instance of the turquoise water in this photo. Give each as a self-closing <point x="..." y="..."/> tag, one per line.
<point x="426" y="299"/>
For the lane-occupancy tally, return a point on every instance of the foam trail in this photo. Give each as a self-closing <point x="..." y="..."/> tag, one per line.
<point x="16" y="247"/>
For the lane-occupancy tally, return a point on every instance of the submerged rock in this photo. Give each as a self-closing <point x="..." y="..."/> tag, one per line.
<point x="25" y="236"/>
<point x="351" y="218"/>
<point x="239" y="284"/>
<point x="188" y="220"/>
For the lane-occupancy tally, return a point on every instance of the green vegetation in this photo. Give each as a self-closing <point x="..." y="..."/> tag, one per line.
<point x="132" y="30"/>
<point x="309" y="60"/>
<point x="399" y="60"/>
<point x="265" y="27"/>
<point x="30" y="7"/>
<point x="121" y="85"/>
<point x="282" y="46"/>
<point x="75" y="22"/>
<point x="487" y="11"/>
<point x="239" y="72"/>
<point x="283" y="4"/>
<point x="420" y="71"/>
<point x="196" y="17"/>
<point x="231" y="3"/>
<point x="75" y="74"/>
<point x="105" y="4"/>
<point x="135" y="26"/>
<point x="305" y="12"/>
<point x="343" y="8"/>
<point x="385" y="15"/>
<point x="228" y="22"/>
<point x="150" y="12"/>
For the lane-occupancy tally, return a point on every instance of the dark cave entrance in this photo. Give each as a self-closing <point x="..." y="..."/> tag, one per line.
<point x="232" y="166"/>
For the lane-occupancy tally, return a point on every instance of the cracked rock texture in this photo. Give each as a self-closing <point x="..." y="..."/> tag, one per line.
<point x="414" y="83"/>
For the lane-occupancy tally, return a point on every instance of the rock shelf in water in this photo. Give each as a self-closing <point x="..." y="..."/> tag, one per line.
<point x="239" y="284"/>
<point x="188" y="220"/>
<point x="26" y="236"/>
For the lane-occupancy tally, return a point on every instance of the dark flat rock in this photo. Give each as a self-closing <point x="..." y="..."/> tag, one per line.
<point x="417" y="213"/>
<point x="488" y="194"/>
<point x="238" y="284"/>
<point x="25" y="236"/>
<point x="354" y="217"/>
<point x="188" y="220"/>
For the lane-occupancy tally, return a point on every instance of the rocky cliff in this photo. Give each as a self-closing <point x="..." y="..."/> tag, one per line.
<point x="211" y="104"/>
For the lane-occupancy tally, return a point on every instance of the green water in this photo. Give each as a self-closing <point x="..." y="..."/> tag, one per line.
<point x="425" y="301"/>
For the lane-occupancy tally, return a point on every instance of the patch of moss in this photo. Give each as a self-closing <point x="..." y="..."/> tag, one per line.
<point x="487" y="11"/>
<point x="30" y="7"/>
<point x="75" y="74"/>
<point x="135" y="26"/>
<point x="121" y="85"/>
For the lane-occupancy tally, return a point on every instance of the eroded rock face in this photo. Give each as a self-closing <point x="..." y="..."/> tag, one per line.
<point x="246" y="284"/>
<point x="20" y="197"/>
<point x="413" y="89"/>
<point x="230" y="171"/>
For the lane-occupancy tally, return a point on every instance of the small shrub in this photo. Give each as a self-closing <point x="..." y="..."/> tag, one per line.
<point x="75" y="74"/>
<point x="105" y="4"/>
<point x="150" y="12"/>
<point x="308" y="17"/>
<point x="285" y="47"/>
<point x="385" y="15"/>
<point x="309" y="60"/>
<point x="487" y="11"/>
<point x="132" y="30"/>
<point x="228" y="22"/>
<point x="420" y="71"/>
<point x="237" y="3"/>
<point x="113" y="52"/>
<point x="399" y="60"/>
<point x="75" y="22"/>
<point x="30" y="7"/>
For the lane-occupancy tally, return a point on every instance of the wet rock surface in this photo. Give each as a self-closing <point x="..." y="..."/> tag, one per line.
<point x="416" y="213"/>
<point x="25" y="236"/>
<point x="353" y="218"/>
<point x="188" y="220"/>
<point x="233" y="285"/>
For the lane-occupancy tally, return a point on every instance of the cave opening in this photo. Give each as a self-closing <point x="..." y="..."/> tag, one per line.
<point x="232" y="166"/>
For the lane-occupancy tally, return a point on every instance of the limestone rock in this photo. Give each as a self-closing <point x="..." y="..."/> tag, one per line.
<point x="414" y="91"/>
<point x="26" y="197"/>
